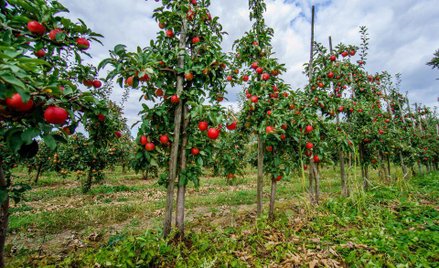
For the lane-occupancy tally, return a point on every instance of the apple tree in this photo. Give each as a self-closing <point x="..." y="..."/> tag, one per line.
<point x="40" y="69"/>
<point x="181" y="75"/>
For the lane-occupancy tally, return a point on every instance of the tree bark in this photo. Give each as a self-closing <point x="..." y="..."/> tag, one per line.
<point x="4" y="216"/>
<point x="316" y="183"/>
<point x="311" y="183"/>
<point x="344" y="186"/>
<point x="364" y="171"/>
<point x="272" y="199"/>
<point x="173" y="163"/>
<point x="40" y="166"/>
<point x="389" y="169"/>
<point x="181" y="193"/>
<point x="260" y="180"/>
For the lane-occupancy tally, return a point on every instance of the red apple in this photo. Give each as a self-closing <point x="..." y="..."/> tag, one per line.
<point x="259" y="70"/>
<point x="101" y="117"/>
<point x="308" y="129"/>
<point x="87" y="83"/>
<point x="82" y="43"/>
<point x="118" y="134"/>
<point x="164" y="139"/>
<point x="40" y="53"/>
<point x="232" y="126"/>
<point x="254" y="99"/>
<point x="175" y="99"/>
<point x="35" y="27"/>
<point x="16" y="103"/>
<point x="150" y="146"/>
<point x="170" y="33"/>
<point x="265" y="76"/>
<point x="188" y="76"/>
<point x="213" y="133"/>
<point x="195" y="151"/>
<point x="159" y="92"/>
<point x="269" y="129"/>
<point x="195" y="40"/>
<point x="309" y="145"/>
<point x="330" y="75"/>
<point x="203" y="125"/>
<point x="332" y="58"/>
<point x="144" y="78"/>
<point x="316" y="159"/>
<point x="269" y="148"/>
<point x="245" y="78"/>
<point x="97" y="84"/>
<point x="55" y="115"/>
<point x="53" y="33"/>
<point x="143" y="140"/>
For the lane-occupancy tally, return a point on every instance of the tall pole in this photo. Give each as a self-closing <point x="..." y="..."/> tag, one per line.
<point x="314" y="171"/>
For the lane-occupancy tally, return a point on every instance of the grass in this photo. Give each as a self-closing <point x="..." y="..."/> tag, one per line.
<point x="118" y="222"/>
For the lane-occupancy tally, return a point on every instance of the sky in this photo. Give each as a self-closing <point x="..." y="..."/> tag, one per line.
<point x="402" y="36"/>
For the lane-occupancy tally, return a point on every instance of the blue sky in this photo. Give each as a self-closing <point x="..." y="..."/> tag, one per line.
<point x="403" y="35"/>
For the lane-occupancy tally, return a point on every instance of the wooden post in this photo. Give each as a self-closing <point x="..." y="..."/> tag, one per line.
<point x="173" y="163"/>
<point x="418" y="120"/>
<point x="315" y="175"/>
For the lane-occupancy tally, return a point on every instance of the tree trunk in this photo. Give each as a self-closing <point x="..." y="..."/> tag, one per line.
<point x="260" y="180"/>
<point x="412" y="167"/>
<point x="344" y="186"/>
<point x="389" y="168"/>
<point x="4" y="215"/>
<point x="316" y="182"/>
<point x="404" y="167"/>
<point x="181" y="193"/>
<point x="272" y="199"/>
<point x="364" y="172"/>
<point x="40" y="166"/>
<point x="311" y="183"/>
<point x="173" y="163"/>
<point x="381" y="171"/>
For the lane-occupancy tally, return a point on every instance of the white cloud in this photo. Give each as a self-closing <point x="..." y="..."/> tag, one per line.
<point x="401" y="32"/>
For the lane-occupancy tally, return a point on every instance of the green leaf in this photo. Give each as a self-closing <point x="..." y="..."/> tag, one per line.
<point x="28" y="135"/>
<point x="50" y="141"/>
<point x="119" y="49"/>
<point x="12" y="80"/>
